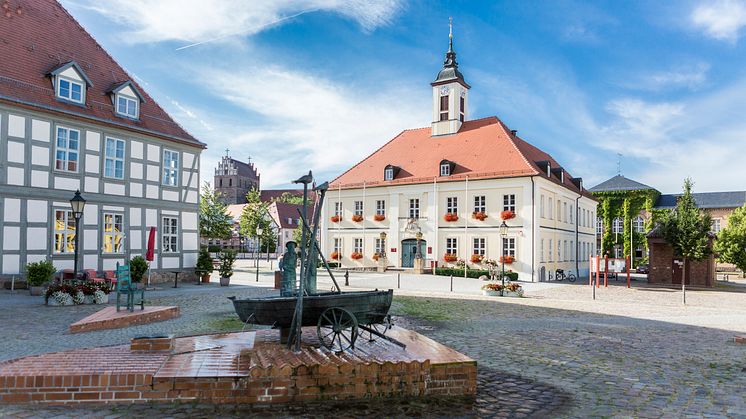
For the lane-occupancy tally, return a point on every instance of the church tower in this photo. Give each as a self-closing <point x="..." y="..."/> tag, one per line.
<point x="450" y="94"/>
<point x="234" y="179"/>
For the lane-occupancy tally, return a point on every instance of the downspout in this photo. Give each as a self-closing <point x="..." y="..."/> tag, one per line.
<point x="577" y="235"/>
<point x="466" y="227"/>
<point x="363" y="221"/>
<point x="533" y="228"/>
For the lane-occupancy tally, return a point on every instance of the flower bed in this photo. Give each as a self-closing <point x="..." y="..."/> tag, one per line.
<point x="481" y="216"/>
<point x="379" y="217"/>
<point x="336" y="218"/>
<point x="472" y="273"/>
<point x="450" y="217"/>
<point x="356" y="255"/>
<point x="357" y="218"/>
<point x="507" y="215"/>
<point x="82" y="293"/>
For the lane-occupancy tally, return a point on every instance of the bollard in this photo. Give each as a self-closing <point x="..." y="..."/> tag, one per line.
<point x="13" y="285"/>
<point x="398" y="281"/>
<point x="594" y="288"/>
<point x="451" y="283"/>
<point x="347" y="278"/>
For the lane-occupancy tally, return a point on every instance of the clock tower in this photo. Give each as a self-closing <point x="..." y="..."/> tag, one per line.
<point x="450" y="94"/>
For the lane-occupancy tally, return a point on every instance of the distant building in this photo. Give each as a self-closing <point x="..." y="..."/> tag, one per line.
<point x="234" y="179"/>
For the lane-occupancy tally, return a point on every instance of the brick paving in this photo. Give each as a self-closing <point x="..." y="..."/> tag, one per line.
<point x="630" y="353"/>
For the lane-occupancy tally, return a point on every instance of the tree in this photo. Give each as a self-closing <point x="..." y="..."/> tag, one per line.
<point x="687" y="230"/>
<point x="731" y="241"/>
<point x="290" y="198"/>
<point x="255" y="215"/>
<point x="214" y="221"/>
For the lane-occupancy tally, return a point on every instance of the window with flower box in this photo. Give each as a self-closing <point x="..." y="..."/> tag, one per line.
<point x="509" y="246"/>
<point x="452" y="246"/>
<point x="480" y="204"/>
<point x="480" y="246"/>
<point x="381" y="207"/>
<point x="337" y="247"/>
<point x="357" y="245"/>
<point x="359" y="208"/>
<point x="509" y="202"/>
<point x="380" y="246"/>
<point x="452" y="205"/>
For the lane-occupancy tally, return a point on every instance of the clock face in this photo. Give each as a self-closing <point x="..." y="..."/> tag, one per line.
<point x="444" y="90"/>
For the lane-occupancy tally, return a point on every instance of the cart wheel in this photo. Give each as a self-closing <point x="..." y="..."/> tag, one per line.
<point x="337" y="329"/>
<point x="381" y="328"/>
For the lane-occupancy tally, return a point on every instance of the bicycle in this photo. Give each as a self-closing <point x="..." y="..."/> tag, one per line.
<point x="559" y="275"/>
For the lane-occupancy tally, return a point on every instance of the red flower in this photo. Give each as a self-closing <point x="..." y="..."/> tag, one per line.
<point x="335" y="256"/>
<point x="479" y="216"/>
<point x="451" y="216"/>
<point x="376" y="256"/>
<point x="379" y="217"/>
<point x="356" y="255"/>
<point x="476" y="258"/>
<point x="357" y="218"/>
<point x="450" y="257"/>
<point x="336" y="218"/>
<point x="507" y="259"/>
<point x="507" y="215"/>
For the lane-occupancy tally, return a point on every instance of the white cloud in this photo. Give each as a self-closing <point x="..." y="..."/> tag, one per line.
<point x="720" y="19"/>
<point x="684" y="76"/>
<point x="195" y="21"/>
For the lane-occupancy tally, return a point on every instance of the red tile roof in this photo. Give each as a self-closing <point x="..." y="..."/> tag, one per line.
<point x="39" y="35"/>
<point x="269" y="195"/>
<point x="482" y="149"/>
<point x="281" y="212"/>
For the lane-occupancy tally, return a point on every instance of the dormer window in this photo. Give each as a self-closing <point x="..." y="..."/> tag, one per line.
<point x="389" y="172"/>
<point x="127" y="106"/>
<point x="70" y="90"/>
<point x="126" y="100"/>
<point x="446" y="167"/>
<point x="70" y="82"/>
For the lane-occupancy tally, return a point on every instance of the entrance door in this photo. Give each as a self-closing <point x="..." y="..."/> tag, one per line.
<point x="409" y="252"/>
<point x="677" y="271"/>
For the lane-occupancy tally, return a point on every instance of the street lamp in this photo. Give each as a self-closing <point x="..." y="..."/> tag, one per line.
<point x="77" y="204"/>
<point x="259" y="232"/>
<point x="504" y="235"/>
<point x="383" y="245"/>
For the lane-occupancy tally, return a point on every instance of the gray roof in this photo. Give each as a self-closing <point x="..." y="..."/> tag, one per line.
<point x="619" y="183"/>
<point x="706" y="200"/>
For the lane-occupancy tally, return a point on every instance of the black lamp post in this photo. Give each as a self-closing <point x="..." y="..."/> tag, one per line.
<point x="259" y="232"/>
<point x="77" y="204"/>
<point x="504" y="235"/>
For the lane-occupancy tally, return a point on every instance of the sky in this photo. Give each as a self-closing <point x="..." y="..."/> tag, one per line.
<point x="320" y="84"/>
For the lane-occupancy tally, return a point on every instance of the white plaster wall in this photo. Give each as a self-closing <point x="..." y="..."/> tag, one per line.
<point x="90" y="262"/>
<point x="189" y="220"/>
<point x="39" y="179"/>
<point x="90" y="214"/>
<point x="191" y="241"/>
<point x="91" y="163"/>
<point x="91" y="184"/>
<point x="188" y="160"/>
<point x="36" y="238"/>
<point x="71" y="73"/>
<point x="136" y="189"/>
<point x="153" y="172"/>
<point x="12" y="210"/>
<point x="37" y="211"/>
<point x="63" y="263"/>
<point x="111" y="264"/>
<point x="11" y="264"/>
<point x="191" y="197"/>
<point x="170" y="195"/>
<point x="136" y="149"/>
<point x="151" y="218"/>
<point x="135" y="217"/>
<point x="135" y="170"/>
<point x="113" y="188"/>
<point x="16" y="126"/>
<point x="65" y="183"/>
<point x="135" y="239"/>
<point x="170" y="262"/>
<point x="90" y="239"/>
<point x="92" y="141"/>
<point x="154" y="153"/>
<point x="190" y="260"/>
<point x="11" y="238"/>
<point x="40" y="130"/>
<point x="151" y="192"/>
<point x="40" y="156"/>
<point x="16" y="152"/>
<point x="16" y="176"/>
<point x="35" y="258"/>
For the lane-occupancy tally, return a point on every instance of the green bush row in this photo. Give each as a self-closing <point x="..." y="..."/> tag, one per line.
<point x="473" y="273"/>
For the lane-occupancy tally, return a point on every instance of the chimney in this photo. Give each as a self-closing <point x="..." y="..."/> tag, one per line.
<point x="513" y="133"/>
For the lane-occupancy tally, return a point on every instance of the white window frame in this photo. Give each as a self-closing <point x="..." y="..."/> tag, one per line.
<point x="452" y="245"/>
<point x="509" y="246"/>
<point x="480" y="203"/>
<point x="388" y="173"/>
<point x="571" y="213"/>
<point x="67" y="235"/>
<point x="381" y="207"/>
<point x="111" y="236"/>
<point x="542" y="212"/>
<point x="445" y="169"/>
<point x="170" y="231"/>
<point x="380" y="246"/>
<point x="452" y="205"/>
<point x="551" y="250"/>
<point x="337" y="245"/>
<point x="358" y="208"/>
<point x="617" y="225"/>
<point x="559" y="250"/>
<point x="509" y="202"/>
<point x="357" y="245"/>
<point x="541" y="251"/>
<point x="414" y="208"/>
<point x="130" y="104"/>
<point x="67" y="150"/>
<point x="559" y="210"/>
<point x="599" y="225"/>
<point x="114" y="159"/>
<point x="72" y="83"/>
<point x="639" y="224"/>
<point x="479" y="246"/>
<point x="716" y="225"/>
<point x="551" y="209"/>
<point x="338" y="209"/>
<point x="171" y="171"/>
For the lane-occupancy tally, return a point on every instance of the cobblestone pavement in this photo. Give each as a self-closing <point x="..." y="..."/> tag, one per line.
<point x="631" y="353"/>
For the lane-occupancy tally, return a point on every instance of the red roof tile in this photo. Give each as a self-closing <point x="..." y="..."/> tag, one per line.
<point x="482" y="149"/>
<point x="43" y="36"/>
<point x="281" y="212"/>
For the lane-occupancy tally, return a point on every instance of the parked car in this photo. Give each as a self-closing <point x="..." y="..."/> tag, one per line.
<point x="643" y="269"/>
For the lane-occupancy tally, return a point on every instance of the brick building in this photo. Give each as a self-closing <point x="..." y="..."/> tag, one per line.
<point x="234" y="179"/>
<point x="667" y="268"/>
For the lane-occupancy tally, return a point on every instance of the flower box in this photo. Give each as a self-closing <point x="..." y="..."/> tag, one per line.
<point x="450" y="217"/>
<point x="507" y="259"/>
<point x="479" y="216"/>
<point x="450" y="257"/>
<point x="476" y="258"/>
<point x="335" y="256"/>
<point x="507" y="215"/>
<point x="376" y="256"/>
<point x="336" y="218"/>
<point x="491" y="293"/>
<point x="356" y="255"/>
<point x="379" y="217"/>
<point x="357" y="218"/>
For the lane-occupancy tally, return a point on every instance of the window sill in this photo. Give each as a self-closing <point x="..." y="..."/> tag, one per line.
<point x="70" y="101"/>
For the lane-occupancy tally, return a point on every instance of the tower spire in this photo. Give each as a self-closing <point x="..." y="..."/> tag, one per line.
<point x="450" y="34"/>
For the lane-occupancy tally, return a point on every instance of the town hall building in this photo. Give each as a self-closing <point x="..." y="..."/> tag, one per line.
<point x="442" y="192"/>
<point x="72" y="119"/>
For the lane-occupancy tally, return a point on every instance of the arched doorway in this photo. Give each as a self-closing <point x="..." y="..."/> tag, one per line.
<point x="409" y="251"/>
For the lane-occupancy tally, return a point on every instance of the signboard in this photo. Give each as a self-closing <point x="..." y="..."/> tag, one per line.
<point x="615" y="265"/>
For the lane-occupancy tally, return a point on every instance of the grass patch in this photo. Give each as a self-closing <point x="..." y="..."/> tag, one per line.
<point x="425" y="308"/>
<point x="226" y="324"/>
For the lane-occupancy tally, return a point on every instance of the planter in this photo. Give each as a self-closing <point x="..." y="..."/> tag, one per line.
<point x="518" y="293"/>
<point x="104" y="300"/>
<point x="479" y="216"/>
<point x="224" y="282"/>
<point x="206" y="278"/>
<point x="37" y="290"/>
<point x="88" y="299"/>
<point x="357" y="218"/>
<point x="450" y="217"/>
<point x="491" y="293"/>
<point x="379" y="217"/>
<point x="507" y="215"/>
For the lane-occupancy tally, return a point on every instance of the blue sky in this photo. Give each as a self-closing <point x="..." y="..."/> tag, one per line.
<point x="322" y="83"/>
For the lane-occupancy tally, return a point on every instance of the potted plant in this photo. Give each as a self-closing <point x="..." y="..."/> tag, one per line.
<point x="507" y="215"/>
<point x="336" y="218"/>
<point x="379" y="217"/>
<point x="475" y="258"/>
<point x="507" y="259"/>
<point x="357" y="218"/>
<point x="138" y="267"/>
<point x="204" y="265"/>
<point x="227" y="258"/>
<point x="513" y="290"/>
<point x="450" y="257"/>
<point x="450" y="217"/>
<point x="60" y="295"/>
<point x="39" y="274"/>
<point x="101" y="295"/>
<point x="492" y="289"/>
<point x="356" y="255"/>
<point x="89" y="290"/>
<point x="481" y="216"/>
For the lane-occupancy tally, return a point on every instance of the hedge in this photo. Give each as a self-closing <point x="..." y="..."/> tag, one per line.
<point x="472" y="273"/>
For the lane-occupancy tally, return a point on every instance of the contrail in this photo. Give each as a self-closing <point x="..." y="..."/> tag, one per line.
<point x="256" y="28"/>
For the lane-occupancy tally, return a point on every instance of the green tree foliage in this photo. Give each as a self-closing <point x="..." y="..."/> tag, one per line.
<point x="687" y="229"/>
<point x="214" y="221"/>
<point x="290" y="198"/>
<point x="731" y="242"/>
<point x="255" y="214"/>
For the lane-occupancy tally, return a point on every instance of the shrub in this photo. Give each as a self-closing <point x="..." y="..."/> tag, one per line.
<point x="138" y="267"/>
<point x="227" y="258"/>
<point x="39" y="273"/>
<point x="473" y="273"/>
<point x="204" y="261"/>
<point x="61" y="289"/>
<point x="214" y="248"/>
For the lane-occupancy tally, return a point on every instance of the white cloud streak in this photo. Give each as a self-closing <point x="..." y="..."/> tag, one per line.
<point x="720" y="19"/>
